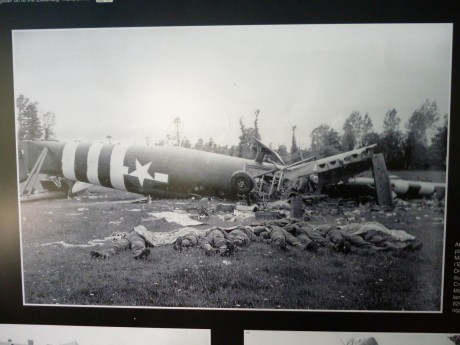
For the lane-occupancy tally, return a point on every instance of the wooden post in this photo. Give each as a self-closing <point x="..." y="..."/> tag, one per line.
<point x="381" y="181"/>
<point x="33" y="176"/>
<point x="296" y="206"/>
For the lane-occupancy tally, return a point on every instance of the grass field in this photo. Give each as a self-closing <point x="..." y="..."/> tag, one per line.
<point x="261" y="276"/>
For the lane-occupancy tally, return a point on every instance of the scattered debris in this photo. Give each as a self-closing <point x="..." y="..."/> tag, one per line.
<point x="244" y="208"/>
<point x="267" y="215"/>
<point x="278" y="205"/>
<point x="226" y="217"/>
<point x="244" y="214"/>
<point x="225" y="208"/>
<point x="115" y="222"/>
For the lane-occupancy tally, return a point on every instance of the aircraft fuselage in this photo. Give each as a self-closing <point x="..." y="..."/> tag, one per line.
<point x="140" y="169"/>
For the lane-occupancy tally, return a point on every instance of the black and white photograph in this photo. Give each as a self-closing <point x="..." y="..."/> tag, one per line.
<point x="268" y="167"/>
<point x="19" y="334"/>
<point x="348" y="338"/>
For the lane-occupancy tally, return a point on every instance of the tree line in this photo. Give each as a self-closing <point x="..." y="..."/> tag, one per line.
<point x="420" y="144"/>
<point x="31" y="124"/>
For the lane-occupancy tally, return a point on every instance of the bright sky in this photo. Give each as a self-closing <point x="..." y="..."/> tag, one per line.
<point x="57" y="335"/>
<point x="131" y="83"/>
<point x="341" y="338"/>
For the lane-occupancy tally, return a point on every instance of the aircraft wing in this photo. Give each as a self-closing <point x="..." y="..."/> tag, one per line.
<point x="403" y="188"/>
<point x="335" y="168"/>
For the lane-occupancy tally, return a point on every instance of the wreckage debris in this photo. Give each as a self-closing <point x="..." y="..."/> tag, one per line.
<point x="228" y="176"/>
<point x="403" y="189"/>
<point x="225" y="208"/>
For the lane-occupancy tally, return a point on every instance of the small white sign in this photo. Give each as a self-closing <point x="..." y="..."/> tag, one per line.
<point x="159" y="177"/>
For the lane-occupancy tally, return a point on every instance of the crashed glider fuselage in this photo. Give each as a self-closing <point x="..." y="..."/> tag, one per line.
<point x="169" y="171"/>
<point x="148" y="170"/>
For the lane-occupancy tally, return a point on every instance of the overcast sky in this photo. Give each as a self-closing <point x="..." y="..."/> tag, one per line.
<point x="131" y="83"/>
<point x="341" y="338"/>
<point x="57" y="335"/>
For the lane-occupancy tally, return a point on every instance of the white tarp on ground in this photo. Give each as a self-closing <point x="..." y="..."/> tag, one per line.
<point x="92" y="243"/>
<point x="362" y="228"/>
<point x="176" y="217"/>
<point x="154" y="238"/>
<point x="165" y="238"/>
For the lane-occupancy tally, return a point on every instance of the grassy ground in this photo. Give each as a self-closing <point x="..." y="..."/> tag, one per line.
<point x="261" y="276"/>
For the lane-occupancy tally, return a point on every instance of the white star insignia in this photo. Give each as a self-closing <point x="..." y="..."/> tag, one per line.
<point x="141" y="172"/>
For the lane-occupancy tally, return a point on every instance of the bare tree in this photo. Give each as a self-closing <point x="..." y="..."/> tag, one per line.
<point x="48" y="122"/>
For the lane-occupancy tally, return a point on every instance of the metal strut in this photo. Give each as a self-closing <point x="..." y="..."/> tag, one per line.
<point x="33" y="176"/>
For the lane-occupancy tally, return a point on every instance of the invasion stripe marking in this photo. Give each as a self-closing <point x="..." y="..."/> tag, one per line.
<point x="103" y="169"/>
<point x="93" y="163"/>
<point x="68" y="160"/>
<point x="81" y="162"/>
<point x="117" y="168"/>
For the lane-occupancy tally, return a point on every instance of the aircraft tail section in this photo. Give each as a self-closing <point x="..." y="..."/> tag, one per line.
<point x="30" y="151"/>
